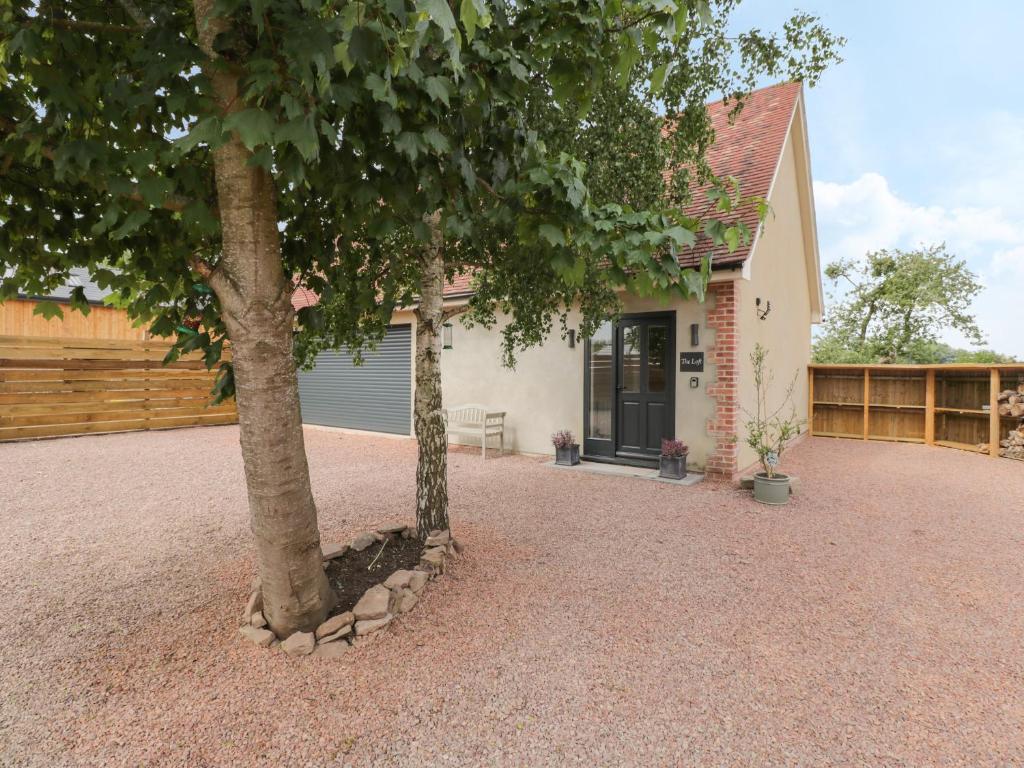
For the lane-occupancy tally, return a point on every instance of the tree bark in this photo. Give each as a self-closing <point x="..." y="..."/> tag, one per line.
<point x="431" y="439"/>
<point x="255" y="299"/>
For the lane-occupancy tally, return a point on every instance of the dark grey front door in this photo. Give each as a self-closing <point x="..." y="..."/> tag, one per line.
<point x="645" y="412"/>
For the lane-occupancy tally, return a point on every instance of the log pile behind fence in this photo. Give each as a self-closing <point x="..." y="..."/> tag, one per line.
<point x="52" y="386"/>
<point x="974" y="407"/>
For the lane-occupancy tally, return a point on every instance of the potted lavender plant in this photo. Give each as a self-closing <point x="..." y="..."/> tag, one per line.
<point x="673" y="459"/>
<point x="567" y="450"/>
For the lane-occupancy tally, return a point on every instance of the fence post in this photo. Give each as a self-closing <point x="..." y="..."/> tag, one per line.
<point x="810" y="401"/>
<point x="929" y="407"/>
<point x="993" y="415"/>
<point x="867" y="399"/>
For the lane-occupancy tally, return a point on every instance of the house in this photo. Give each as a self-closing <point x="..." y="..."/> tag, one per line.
<point x="18" y="317"/>
<point x="678" y="370"/>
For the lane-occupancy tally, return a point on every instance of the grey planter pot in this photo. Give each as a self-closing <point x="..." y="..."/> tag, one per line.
<point x="673" y="467"/>
<point x="568" y="457"/>
<point x="771" y="490"/>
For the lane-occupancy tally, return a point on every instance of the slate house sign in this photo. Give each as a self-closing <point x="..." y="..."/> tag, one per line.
<point x="691" y="361"/>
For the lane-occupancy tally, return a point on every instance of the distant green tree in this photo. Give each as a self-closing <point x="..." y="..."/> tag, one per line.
<point x="895" y="305"/>
<point x="939" y="352"/>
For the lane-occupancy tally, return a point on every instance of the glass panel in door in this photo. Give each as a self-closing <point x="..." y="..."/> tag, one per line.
<point x="602" y="383"/>
<point x="632" y="357"/>
<point x="657" y="357"/>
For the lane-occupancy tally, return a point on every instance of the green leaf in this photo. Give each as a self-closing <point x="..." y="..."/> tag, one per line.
<point x="438" y="88"/>
<point x="253" y="126"/>
<point x="469" y="16"/>
<point x="436" y="140"/>
<point x="629" y="55"/>
<point x="49" y="310"/>
<point x="474" y="15"/>
<point x="79" y="301"/>
<point x="381" y="90"/>
<point x="107" y="220"/>
<point x="409" y="144"/>
<point x="440" y="13"/>
<point x="341" y="56"/>
<point x="301" y="133"/>
<point x="132" y="222"/>
<point x="206" y="131"/>
<point x="658" y="76"/>
<point x="155" y="189"/>
<point x="682" y="236"/>
<point x="732" y="238"/>
<point x="552" y="234"/>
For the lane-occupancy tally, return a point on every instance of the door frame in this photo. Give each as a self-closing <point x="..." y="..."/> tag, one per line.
<point x="605" y="450"/>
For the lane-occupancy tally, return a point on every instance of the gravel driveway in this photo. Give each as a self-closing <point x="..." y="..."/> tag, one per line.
<point x="878" y="620"/>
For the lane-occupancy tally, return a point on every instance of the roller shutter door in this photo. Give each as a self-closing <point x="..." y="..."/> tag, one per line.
<point x="374" y="396"/>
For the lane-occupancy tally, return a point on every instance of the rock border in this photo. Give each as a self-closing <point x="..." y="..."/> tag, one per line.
<point x="377" y="608"/>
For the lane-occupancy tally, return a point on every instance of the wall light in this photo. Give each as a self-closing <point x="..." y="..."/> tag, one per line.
<point x="694" y="334"/>
<point x="572" y="338"/>
<point x="446" y="336"/>
<point x="762" y="313"/>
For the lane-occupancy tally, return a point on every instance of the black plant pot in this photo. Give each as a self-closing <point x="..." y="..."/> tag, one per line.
<point x="673" y="467"/>
<point x="568" y="456"/>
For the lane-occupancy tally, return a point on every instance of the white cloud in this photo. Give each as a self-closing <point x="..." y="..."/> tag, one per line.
<point x="1009" y="263"/>
<point x="868" y="215"/>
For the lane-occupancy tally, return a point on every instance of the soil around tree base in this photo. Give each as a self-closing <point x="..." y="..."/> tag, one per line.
<point x="351" y="574"/>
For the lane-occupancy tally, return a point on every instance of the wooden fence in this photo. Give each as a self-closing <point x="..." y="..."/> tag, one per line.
<point x="955" y="406"/>
<point x="18" y="318"/>
<point x="55" y="386"/>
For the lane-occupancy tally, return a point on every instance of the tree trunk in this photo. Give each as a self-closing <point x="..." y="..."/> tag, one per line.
<point x="255" y="299"/>
<point x="432" y="442"/>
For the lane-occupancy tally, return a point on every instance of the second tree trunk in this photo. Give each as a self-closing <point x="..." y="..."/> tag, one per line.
<point x="431" y="438"/>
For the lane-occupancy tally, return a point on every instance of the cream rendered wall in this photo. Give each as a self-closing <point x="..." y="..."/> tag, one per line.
<point x="779" y="274"/>
<point x="544" y="393"/>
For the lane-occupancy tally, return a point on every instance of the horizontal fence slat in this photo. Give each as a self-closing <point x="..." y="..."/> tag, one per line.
<point x="103" y="395"/>
<point x="20" y="433"/>
<point x="111" y="385"/>
<point x="82" y="343"/>
<point x="53" y="387"/>
<point x="100" y="365"/>
<point x="146" y="414"/>
<point x="9" y="374"/>
<point x="99" y="406"/>
<point x="34" y="353"/>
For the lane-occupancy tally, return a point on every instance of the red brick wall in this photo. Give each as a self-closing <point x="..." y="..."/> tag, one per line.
<point x="724" y="355"/>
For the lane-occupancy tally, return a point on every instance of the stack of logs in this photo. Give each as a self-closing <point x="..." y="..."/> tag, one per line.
<point x="1011" y="403"/>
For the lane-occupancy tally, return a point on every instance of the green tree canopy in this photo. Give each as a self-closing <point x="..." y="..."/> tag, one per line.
<point x="894" y="305"/>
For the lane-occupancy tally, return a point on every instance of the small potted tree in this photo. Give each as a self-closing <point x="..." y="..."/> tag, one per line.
<point x="769" y="432"/>
<point x="567" y="450"/>
<point x="673" y="459"/>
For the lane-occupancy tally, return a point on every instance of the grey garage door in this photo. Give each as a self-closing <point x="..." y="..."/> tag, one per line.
<point x="375" y="396"/>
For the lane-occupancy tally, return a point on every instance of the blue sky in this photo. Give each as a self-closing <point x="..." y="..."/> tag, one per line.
<point x="918" y="136"/>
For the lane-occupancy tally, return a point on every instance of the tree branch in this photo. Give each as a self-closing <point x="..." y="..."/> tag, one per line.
<point x="449" y="312"/>
<point x="214" y="277"/>
<point x="84" y="26"/>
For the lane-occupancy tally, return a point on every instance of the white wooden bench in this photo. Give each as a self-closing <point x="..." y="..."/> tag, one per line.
<point x="478" y="421"/>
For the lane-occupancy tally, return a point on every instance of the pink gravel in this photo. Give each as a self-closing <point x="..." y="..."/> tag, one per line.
<point x="594" y="620"/>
